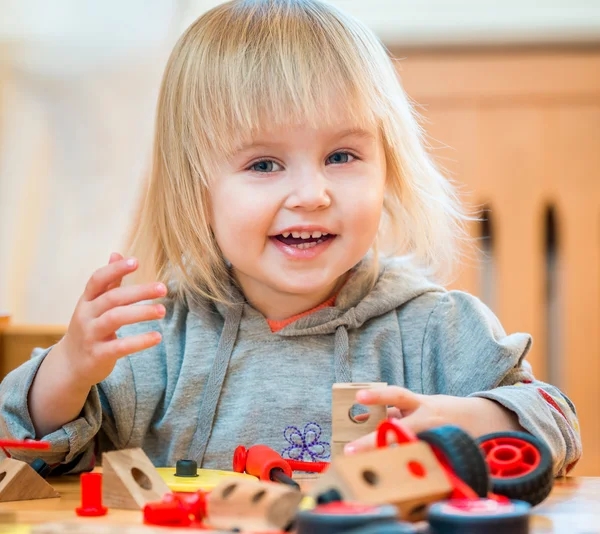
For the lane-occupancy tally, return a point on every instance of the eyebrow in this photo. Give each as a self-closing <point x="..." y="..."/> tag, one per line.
<point x="350" y="132"/>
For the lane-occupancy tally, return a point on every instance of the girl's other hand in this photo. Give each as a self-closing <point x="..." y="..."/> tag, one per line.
<point x="414" y="411"/>
<point x="90" y="347"/>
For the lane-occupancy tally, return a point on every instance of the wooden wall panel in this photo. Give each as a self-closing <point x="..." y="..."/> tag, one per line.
<point x="520" y="131"/>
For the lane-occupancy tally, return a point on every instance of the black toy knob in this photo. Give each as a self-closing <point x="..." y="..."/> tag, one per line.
<point x="186" y="468"/>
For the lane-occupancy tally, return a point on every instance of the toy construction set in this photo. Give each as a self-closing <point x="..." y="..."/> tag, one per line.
<point x="440" y="481"/>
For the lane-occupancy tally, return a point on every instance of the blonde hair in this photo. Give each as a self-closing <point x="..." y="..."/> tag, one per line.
<point x="249" y="63"/>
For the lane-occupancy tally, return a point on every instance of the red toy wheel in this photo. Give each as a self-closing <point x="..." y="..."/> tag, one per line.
<point x="520" y="465"/>
<point x="510" y="456"/>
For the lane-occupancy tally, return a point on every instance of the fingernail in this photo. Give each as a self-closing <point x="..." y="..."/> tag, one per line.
<point x="363" y="395"/>
<point x="350" y="449"/>
<point x="131" y="262"/>
<point x="161" y="288"/>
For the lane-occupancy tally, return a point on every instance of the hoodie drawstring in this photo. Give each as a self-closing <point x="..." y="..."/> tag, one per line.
<point x="214" y="383"/>
<point x="341" y="358"/>
<point x="218" y="372"/>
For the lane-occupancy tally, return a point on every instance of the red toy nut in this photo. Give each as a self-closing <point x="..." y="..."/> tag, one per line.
<point x="91" y="496"/>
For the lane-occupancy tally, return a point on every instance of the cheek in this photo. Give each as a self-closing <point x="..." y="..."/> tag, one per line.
<point x="239" y="215"/>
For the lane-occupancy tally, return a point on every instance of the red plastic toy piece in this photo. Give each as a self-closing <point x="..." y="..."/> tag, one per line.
<point x="168" y="512"/>
<point x="240" y="459"/>
<point x="308" y="467"/>
<point x="262" y="460"/>
<point x="177" y="510"/>
<point x="460" y="490"/>
<point x="510" y="457"/>
<point x="22" y="444"/>
<point x="91" y="496"/>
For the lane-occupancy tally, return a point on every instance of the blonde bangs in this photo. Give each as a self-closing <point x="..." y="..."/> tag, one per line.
<point x="255" y="66"/>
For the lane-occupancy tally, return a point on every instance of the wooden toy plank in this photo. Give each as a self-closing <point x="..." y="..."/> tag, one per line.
<point x="252" y="505"/>
<point x="408" y="476"/>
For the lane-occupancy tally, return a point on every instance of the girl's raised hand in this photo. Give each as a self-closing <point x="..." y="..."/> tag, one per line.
<point x="90" y="346"/>
<point x="416" y="412"/>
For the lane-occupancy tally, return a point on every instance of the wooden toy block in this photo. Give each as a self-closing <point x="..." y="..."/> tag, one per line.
<point x="130" y="480"/>
<point x="252" y="505"/>
<point x="407" y="476"/>
<point x="19" y="482"/>
<point x="344" y="428"/>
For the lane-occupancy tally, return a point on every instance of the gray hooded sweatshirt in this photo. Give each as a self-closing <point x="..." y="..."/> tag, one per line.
<point x="221" y="378"/>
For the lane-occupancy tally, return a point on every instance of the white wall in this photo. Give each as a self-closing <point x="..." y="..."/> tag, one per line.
<point x="438" y="22"/>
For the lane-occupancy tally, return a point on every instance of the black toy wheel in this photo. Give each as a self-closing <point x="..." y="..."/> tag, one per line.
<point x="483" y="516"/>
<point x="390" y="527"/>
<point x="338" y="517"/>
<point x="461" y="452"/>
<point x="520" y="465"/>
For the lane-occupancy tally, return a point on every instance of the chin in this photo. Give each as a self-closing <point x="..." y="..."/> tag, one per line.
<point x="303" y="284"/>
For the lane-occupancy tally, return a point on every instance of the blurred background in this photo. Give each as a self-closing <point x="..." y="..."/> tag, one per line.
<point x="509" y="93"/>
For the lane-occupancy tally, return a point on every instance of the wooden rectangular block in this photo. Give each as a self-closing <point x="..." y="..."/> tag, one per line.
<point x="343" y="427"/>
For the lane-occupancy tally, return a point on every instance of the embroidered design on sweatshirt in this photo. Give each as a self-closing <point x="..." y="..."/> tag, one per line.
<point x="306" y="444"/>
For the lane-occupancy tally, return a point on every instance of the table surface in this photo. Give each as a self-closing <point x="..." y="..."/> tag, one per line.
<point x="572" y="508"/>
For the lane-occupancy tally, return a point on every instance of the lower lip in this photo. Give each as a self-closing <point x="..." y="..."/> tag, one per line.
<point x="302" y="253"/>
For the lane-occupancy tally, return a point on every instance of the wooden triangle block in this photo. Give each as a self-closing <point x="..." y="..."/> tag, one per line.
<point x="19" y="482"/>
<point x="130" y="481"/>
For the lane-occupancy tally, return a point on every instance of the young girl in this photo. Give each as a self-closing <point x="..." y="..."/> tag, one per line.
<point x="285" y="151"/>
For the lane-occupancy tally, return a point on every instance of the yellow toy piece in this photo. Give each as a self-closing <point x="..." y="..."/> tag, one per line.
<point x="206" y="480"/>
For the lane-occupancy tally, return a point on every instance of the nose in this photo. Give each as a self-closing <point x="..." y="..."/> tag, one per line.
<point x="310" y="192"/>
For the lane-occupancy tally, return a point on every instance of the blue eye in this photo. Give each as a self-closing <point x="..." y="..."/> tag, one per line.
<point x="340" y="157"/>
<point x="265" y="166"/>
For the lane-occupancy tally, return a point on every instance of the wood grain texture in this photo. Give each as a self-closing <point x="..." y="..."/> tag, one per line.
<point x="130" y="480"/>
<point x="18" y="481"/>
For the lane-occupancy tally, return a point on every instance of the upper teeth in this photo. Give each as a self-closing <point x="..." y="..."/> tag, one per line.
<point x="305" y="235"/>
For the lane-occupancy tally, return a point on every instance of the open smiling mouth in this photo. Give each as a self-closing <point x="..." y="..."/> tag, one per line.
<point x="304" y="240"/>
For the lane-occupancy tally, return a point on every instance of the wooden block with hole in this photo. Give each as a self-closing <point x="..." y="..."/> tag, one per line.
<point x="345" y="427"/>
<point x="252" y="505"/>
<point x="407" y="476"/>
<point x="130" y="481"/>
<point x="19" y="482"/>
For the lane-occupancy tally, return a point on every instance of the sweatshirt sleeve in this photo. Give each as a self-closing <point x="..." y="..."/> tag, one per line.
<point x="466" y="352"/>
<point x="72" y="445"/>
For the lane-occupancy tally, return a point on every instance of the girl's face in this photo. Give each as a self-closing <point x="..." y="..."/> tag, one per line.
<point x="297" y="207"/>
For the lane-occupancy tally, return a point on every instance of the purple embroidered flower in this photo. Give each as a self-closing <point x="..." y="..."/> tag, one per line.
<point x="305" y="445"/>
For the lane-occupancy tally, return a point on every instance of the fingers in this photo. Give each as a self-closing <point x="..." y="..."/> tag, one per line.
<point x="109" y="322"/>
<point x="394" y="413"/>
<point x="128" y="345"/>
<point x="114" y="257"/>
<point x="368" y="442"/>
<point x="107" y="275"/>
<point x="391" y="412"/>
<point x="122" y="296"/>
<point x="403" y="399"/>
<point x="417" y="423"/>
